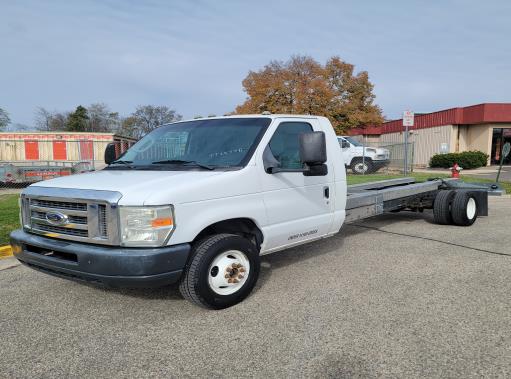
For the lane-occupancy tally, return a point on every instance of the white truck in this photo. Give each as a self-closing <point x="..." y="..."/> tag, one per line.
<point x="360" y="159"/>
<point x="198" y="202"/>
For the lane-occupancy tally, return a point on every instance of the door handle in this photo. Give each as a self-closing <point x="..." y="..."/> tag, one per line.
<point x="326" y="192"/>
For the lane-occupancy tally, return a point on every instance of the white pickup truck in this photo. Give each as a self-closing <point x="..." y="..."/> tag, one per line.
<point x="197" y="202"/>
<point x="360" y="159"/>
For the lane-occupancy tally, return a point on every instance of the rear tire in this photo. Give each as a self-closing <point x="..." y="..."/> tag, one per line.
<point x="442" y="207"/>
<point x="464" y="209"/>
<point x="222" y="271"/>
<point x="361" y="167"/>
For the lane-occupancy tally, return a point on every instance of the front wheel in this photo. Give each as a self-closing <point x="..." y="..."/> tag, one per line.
<point x="222" y="271"/>
<point x="360" y="167"/>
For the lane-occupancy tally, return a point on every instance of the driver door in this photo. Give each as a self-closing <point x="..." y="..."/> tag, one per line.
<point x="298" y="207"/>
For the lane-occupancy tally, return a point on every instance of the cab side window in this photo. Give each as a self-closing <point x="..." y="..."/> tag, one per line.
<point x="285" y="143"/>
<point x="344" y="144"/>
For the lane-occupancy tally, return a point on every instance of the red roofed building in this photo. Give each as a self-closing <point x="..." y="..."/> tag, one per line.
<point x="57" y="146"/>
<point x="485" y="127"/>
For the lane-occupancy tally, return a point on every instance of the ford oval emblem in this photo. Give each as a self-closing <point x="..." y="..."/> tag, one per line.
<point x="56" y="218"/>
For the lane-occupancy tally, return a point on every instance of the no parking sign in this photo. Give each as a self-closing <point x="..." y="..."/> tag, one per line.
<point x="505" y="152"/>
<point x="506" y="149"/>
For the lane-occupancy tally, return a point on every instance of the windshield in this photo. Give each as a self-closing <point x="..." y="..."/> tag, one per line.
<point x="353" y="141"/>
<point x="206" y="144"/>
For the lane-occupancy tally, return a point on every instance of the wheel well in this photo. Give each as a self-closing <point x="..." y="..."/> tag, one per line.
<point x="244" y="227"/>
<point x="359" y="159"/>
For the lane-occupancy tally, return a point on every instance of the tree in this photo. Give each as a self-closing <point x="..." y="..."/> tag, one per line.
<point x="147" y="118"/>
<point x="50" y="121"/>
<point x="77" y="121"/>
<point x="352" y="105"/>
<point x="4" y="119"/>
<point x="102" y="119"/>
<point x="43" y="119"/>
<point x="303" y="86"/>
<point x="59" y="121"/>
<point x="128" y="127"/>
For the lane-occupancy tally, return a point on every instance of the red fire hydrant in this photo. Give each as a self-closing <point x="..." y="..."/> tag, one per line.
<point x="455" y="170"/>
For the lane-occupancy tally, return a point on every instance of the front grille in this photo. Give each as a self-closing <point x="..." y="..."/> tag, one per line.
<point x="72" y="219"/>
<point x="59" y="204"/>
<point x="60" y="230"/>
<point x="85" y="221"/>
<point x="102" y="221"/>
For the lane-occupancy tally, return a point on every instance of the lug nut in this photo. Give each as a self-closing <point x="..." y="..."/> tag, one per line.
<point x="240" y="277"/>
<point x="235" y="281"/>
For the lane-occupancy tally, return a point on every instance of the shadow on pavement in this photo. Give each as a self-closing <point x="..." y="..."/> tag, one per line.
<point x="284" y="258"/>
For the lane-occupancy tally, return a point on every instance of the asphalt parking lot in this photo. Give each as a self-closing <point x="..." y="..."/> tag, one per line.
<point x="362" y="304"/>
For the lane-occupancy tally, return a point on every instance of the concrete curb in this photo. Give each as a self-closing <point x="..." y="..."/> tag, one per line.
<point x="8" y="262"/>
<point x="5" y="251"/>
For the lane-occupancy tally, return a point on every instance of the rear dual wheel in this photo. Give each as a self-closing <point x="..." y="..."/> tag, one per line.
<point x="464" y="209"/>
<point x="442" y="207"/>
<point x="455" y="207"/>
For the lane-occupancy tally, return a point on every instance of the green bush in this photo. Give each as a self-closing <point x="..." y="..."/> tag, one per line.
<point x="466" y="159"/>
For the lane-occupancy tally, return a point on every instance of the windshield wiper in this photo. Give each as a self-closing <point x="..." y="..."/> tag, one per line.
<point x="122" y="162"/>
<point x="182" y="162"/>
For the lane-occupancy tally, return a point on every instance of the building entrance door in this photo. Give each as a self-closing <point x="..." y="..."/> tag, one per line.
<point x="500" y="137"/>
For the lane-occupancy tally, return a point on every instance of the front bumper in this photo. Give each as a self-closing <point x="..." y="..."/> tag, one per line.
<point x="111" y="266"/>
<point x="381" y="163"/>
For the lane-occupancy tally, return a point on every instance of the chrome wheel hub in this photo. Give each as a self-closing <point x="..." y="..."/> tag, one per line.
<point x="228" y="272"/>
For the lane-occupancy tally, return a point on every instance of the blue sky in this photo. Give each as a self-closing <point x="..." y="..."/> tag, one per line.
<point x="193" y="55"/>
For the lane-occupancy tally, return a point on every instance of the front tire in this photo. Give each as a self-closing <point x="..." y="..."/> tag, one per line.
<point x="361" y="167"/>
<point x="222" y="271"/>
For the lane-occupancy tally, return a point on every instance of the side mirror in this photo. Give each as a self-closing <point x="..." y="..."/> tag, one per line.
<point x="313" y="148"/>
<point x="110" y="154"/>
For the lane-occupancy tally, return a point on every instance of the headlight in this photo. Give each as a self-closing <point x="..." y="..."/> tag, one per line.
<point x="146" y="226"/>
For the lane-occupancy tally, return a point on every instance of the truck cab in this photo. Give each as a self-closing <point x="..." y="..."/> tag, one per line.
<point x="194" y="202"/>
<point x="360" y="159"/>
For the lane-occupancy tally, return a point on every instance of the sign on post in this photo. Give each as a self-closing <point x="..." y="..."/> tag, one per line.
<point x="408" y="119"/>
<point x="506" y="149"/>
<point x="505" y="152"/>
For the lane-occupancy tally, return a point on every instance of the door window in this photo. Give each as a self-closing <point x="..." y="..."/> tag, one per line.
<point x="285" y="143"/>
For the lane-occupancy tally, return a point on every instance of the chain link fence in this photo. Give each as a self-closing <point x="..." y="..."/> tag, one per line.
<point x="23" y="162"/>
<point x="378" y="158"/>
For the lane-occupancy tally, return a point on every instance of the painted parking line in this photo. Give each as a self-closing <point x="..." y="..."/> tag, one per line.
<point x="5" y="251"/>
